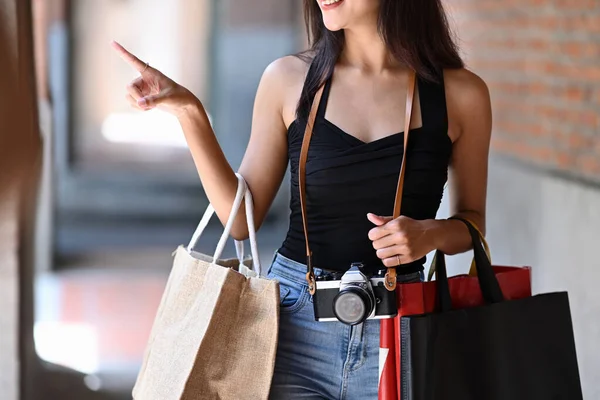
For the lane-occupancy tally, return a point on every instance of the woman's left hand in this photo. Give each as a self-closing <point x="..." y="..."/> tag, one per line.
<point x="401" y="240"/>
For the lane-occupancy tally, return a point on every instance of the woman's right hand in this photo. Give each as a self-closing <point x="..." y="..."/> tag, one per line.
<point x="152" y="89"/>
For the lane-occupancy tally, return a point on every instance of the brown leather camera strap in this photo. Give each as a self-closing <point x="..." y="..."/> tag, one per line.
<point x="390" y="276"/>
<point x="310" y="275"/>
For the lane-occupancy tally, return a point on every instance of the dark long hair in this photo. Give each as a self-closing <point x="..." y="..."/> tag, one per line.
<point x="415" y="31"/>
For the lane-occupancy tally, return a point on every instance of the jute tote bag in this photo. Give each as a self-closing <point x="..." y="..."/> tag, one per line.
<point x="215" y="332"/>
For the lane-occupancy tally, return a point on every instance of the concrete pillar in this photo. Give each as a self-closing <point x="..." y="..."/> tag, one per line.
<point x="19" y="149"/>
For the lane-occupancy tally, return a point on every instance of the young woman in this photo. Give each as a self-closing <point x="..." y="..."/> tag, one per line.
<point x="362" y="52"/>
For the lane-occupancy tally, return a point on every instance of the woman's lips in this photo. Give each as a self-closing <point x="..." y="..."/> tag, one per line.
<point x="330" y="4"/>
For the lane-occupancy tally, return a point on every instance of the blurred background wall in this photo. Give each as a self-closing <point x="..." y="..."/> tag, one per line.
<point x="118" y="190"/>
<point x="122" y="190"/>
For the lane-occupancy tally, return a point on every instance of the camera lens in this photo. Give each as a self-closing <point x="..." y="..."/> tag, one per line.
<point x="353" y="305"/>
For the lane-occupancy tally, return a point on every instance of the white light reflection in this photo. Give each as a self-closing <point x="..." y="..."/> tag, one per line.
<point x="73" y="346"/>
<point x="154" y="127"/>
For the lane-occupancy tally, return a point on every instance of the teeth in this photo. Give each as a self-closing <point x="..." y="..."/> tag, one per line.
<point x="330" y="2"/>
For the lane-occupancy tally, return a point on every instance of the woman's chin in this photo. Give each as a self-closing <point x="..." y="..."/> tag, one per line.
<point x="333" y="26"/>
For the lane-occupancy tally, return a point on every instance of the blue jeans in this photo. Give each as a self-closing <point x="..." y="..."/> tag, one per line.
<point x="321" y="360"/>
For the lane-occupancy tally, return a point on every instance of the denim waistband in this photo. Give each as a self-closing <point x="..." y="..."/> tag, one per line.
<point x="296" y="272"/>
<point x="292" y="270"/>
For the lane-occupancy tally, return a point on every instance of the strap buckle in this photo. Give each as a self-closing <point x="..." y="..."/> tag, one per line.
<point x="310" y="277"/>
<point x="391" y="278"/>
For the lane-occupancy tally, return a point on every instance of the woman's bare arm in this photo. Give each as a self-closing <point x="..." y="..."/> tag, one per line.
<point x="265" y="160"/>
<point x="469" y="103"/>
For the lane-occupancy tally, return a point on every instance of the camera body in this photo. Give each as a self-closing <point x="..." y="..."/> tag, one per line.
<point x="353" y="297"/>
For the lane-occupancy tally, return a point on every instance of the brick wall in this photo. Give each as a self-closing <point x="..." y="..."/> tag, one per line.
<point x="541" y="60"/>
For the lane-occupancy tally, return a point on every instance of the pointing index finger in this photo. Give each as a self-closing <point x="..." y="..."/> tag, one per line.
<point x="132" y="60"/>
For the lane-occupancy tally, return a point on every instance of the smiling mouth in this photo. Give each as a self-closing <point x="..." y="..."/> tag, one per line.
<point x="329" y="4"/>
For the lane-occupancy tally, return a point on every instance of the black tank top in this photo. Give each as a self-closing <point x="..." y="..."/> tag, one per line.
<point x="347" y="178"/>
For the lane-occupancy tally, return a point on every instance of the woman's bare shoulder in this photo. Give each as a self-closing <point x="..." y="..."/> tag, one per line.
<point x="467" y="96"/>
<point x="285" y="77"/>
<point x="288" y="67"/>
<point x="465" y="87"/>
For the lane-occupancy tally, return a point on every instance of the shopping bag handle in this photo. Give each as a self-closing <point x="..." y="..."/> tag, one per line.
<point x="488" y="283"/>
<point x="242" y="193"/>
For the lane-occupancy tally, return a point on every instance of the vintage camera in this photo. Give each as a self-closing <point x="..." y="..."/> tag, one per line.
<point x="353" y="297"/>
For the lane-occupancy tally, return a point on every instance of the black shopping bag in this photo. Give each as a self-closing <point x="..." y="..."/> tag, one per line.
<point x="506" y="350"/>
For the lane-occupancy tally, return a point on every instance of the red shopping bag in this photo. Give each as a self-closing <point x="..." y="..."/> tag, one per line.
<point x="420" y="298"/>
